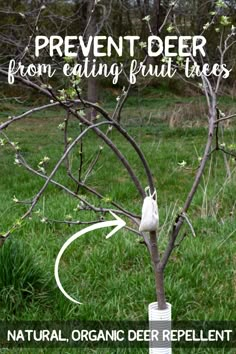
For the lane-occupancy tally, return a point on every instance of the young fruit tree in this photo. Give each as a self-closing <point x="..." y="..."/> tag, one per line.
<point x="67" y="73"/>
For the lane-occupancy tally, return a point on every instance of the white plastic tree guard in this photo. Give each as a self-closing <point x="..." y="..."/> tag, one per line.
<point x="159" y="320"/>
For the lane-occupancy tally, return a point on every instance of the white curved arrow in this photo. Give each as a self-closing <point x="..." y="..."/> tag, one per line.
<point x="118" y="222"/>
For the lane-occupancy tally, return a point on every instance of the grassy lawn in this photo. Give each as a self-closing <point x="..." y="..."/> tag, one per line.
<point x="113" y="278"/>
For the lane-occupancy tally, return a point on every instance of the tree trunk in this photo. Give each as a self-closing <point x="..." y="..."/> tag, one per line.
<point x="157" y="16"/>
<point x="158" y="271"/>
<point x="92" y="88"/>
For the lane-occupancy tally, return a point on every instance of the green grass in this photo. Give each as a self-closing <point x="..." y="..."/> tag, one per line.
<point x="113" y="278"/>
